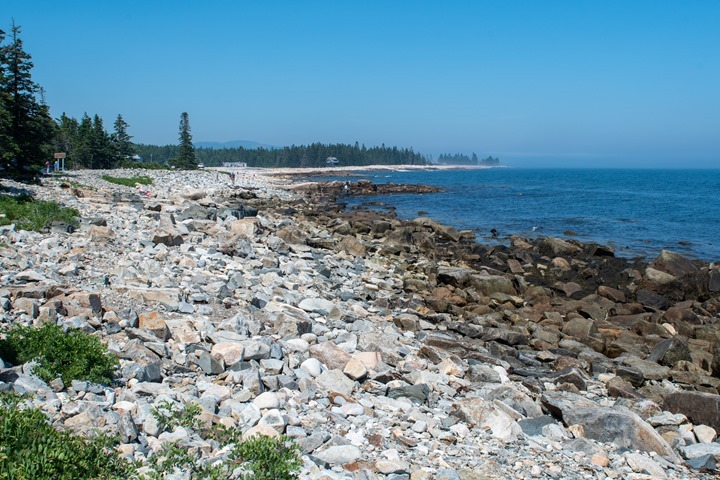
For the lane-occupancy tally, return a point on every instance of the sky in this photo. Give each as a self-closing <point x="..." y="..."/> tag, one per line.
<point x="551" y="83"/>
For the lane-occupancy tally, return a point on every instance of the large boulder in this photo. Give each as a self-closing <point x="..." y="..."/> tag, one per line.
<point x="698" y="407"/>
<point x="480" y="412"/>
<point x="556" y="246"/>
<point x="620" y="426"/>
<point x="674" y="264"/>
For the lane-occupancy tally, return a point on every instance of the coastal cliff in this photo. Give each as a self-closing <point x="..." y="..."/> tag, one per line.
<point x="385" y="348"/>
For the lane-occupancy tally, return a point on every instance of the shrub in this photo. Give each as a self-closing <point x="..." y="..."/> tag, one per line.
<point x="31" y="449"/>
<point x="269" y="458"/>
<point x="73" y="355"/>
<point x="261" y="458"/>
<point x="128" y="181"/>
<point x="170" y="417"/>
<point x="30" y="214"/>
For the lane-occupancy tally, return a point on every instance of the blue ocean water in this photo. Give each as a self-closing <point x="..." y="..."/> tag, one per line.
<point x="638" y="212"/>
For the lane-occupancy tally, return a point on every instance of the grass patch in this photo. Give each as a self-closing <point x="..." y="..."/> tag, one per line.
<point x="72" y="356"/>
<point x="128" y="182"/>
<point x="30" y="214"/>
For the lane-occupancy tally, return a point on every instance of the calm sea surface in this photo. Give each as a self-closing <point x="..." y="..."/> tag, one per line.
<point x="638" y="212"/>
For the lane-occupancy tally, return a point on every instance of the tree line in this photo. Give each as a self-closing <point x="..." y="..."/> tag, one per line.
<point x="460" y="159"/>
<point x="313" y="155"/>
<point x="29" y="136"/>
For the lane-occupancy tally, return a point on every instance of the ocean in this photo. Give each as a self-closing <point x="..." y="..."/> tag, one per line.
<point x="637" y="212"/>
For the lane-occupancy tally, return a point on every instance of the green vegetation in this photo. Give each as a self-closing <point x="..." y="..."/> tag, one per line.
<point x="128" y="182"/>
<point x="314" y="155"/>
<point x="171" y="417"/>
<point x="186" y="158"/>
<point x="26" y="129"/>
<point x="261" y="458"/>
<point x="30" y="214"/>
<point x="459" y="159"/>
<point x="269" y="458"/>
<point x="72" y="356"/>
<point x="31" y="449"/>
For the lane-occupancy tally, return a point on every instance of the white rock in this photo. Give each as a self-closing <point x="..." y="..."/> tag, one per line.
<point x="339" y="454"/>
<point x="312" y="366"/>
<point x="704" y="433"/>
<point x="267" y="400"/>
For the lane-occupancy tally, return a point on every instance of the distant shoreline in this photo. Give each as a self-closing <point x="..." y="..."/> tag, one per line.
<point x="354" y="168"/>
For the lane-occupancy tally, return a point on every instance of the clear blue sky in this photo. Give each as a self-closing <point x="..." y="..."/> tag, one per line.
<point x="582" y="83"/>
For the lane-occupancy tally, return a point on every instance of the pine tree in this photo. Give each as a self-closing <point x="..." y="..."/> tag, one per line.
<point x="30" y="126"/>
<point x="104" y="154"/>
<point x="82" y="153"/>
<point x="186" y="153"/>
<point x="8" y="147"/>
<point x="66" y="137"/>
<point x="121" y="140"/>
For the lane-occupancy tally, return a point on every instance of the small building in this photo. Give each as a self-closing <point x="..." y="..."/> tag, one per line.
<point x="332" y="161"/>
<point x="234" y="164"/>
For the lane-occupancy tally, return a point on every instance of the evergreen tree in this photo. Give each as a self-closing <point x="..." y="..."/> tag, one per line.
<point x="8" y="147"/>
<point x="30" y="125"/>
<point x="66" y="137"/>
<point x="104" y="154"/>
<point x="186" y="153"/>
<point x="82" y="153"/>
<point x="121" y="140"/>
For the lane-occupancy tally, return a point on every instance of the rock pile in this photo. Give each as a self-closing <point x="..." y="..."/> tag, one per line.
<point x="386" y="348"/>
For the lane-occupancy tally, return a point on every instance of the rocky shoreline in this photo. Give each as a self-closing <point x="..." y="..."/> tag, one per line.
<point x="386" y="348"/>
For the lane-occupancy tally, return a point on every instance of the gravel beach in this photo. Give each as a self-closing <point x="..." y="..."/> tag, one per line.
<point x="386" y="348"/>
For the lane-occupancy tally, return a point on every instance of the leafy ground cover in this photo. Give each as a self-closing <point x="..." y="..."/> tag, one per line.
<point x="30" y="214"/>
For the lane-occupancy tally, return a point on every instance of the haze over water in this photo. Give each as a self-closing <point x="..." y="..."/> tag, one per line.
<point x="638" y="212"/>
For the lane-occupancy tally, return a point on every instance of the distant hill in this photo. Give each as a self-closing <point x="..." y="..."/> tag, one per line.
<point x="234" y="144"/>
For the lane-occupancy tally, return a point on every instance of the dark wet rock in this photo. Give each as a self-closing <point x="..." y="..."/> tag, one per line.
<point x="417" y="393"/>
<point x="700" y="408"/>
<point x="556" y="246"/>
<point x="613" y="294"/>
<point x="652" y="299"/>
<point x="619" y="387"/>
<point x="572" y="376"/>
<point x="714" y="280"/>
<point x="505" y="336"/>
<point x="674" y="264"/>
<point x="675" y="315"/>
<point x="670" y="351"/>
<point x="631" y="375"/>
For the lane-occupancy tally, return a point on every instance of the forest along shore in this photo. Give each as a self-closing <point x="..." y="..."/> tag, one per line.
<point x="386" y="348"/>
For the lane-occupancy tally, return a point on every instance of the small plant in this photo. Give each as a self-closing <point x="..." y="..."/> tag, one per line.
<point x="30" y="214"/>
<point x="171" y="417"/>
<point x="128" y="182"/>
<point x="175" y="459"/>
<point x="261" y="458"/>
<point x="31" y="449"/>
<point x="72" y="356"/>
<point x="269" y="458"/>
